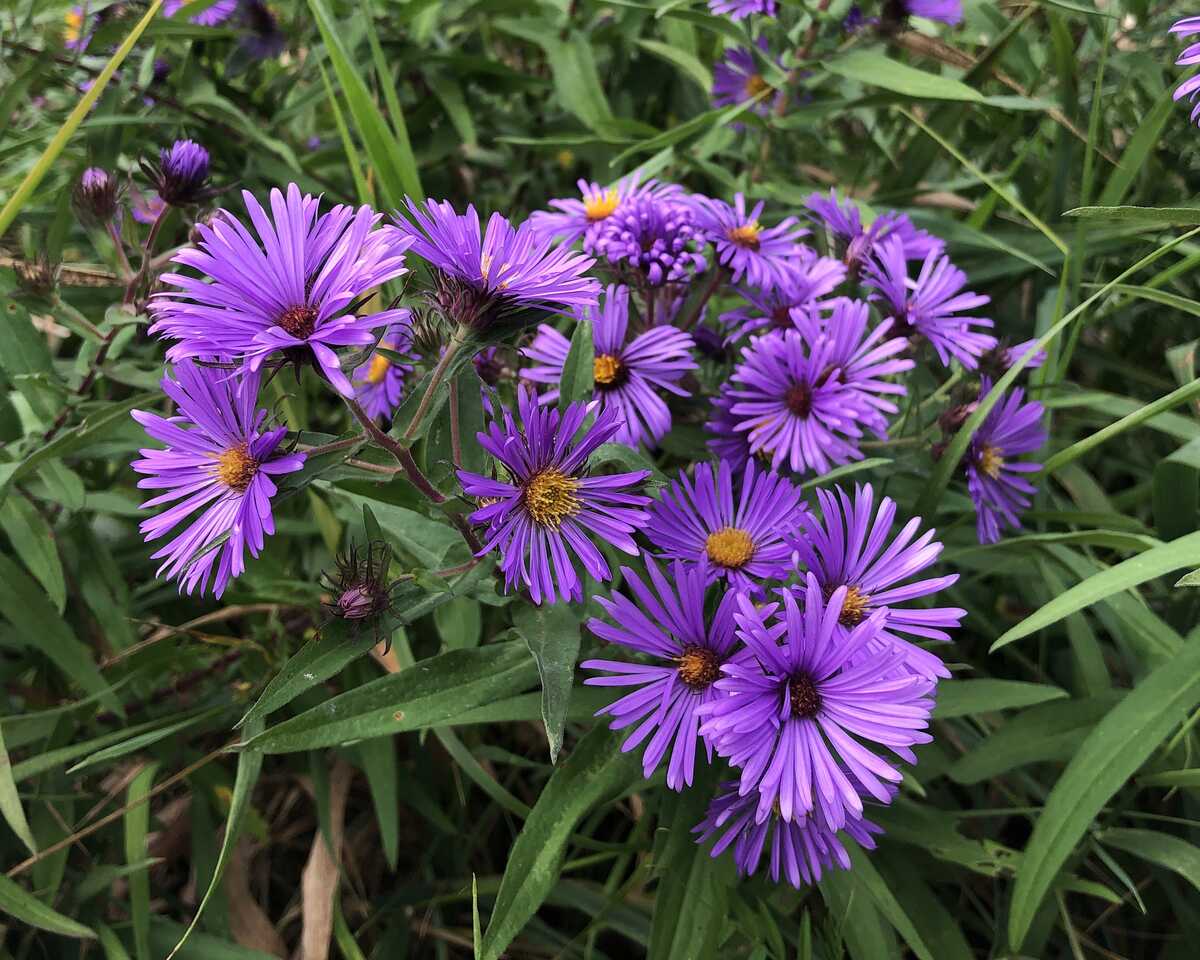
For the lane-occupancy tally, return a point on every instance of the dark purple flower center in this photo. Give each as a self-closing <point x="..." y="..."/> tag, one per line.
<point x="781" y="317"/>
<point x="698" y="667"/>
<point x="798" y="399"/>
<point x="299" y="321"/>
<point x="609" y="372"/>
<point x="805" y="698"/>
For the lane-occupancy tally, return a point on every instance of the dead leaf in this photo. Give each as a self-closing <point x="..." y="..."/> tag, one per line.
<point x="319" y="883"/>
<point x="248" y="922"/>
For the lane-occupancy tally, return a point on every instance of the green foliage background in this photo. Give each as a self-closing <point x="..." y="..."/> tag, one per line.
<point x="1054" y="815"/>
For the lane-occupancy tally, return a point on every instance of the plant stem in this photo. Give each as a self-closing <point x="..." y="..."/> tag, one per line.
<point x="147" y="249"/>
<point x="715" y="277"/>
<point x="435" y="381"/>
<point x="332" y="446"/>
<point x="397" y="450"/>
<point x="455" y="430"/>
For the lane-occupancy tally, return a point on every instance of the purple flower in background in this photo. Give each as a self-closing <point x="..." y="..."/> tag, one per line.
<point x="219" y="462"/>
<point x="263" y="39"/>
<point x="669" y="623"/>
<point x="736" y="79"/>
<point x="181" y="175"/>
<point x="145" y="207"/>
<point x="996" y="483"/>
<point x="799" y="700"/>
<point x="288" y="290"/>
<point x="797" y="297"/>
<point x="849" y="547"/>
<point x="379" y="382"/>
<point x="728" y="443"/>
<point x="931" y="306"/>
<point x="546" y="515"/>
<point x="996" y="362"/>
<point x="765" y="256"/>
<point x="801" y="850"/>
<point x="655" y="233"/>
<point x="1190" y="88"/>
<point x="855" y="20"/>
<point x="484" y="277"/>
<point x="625" y="374"/>
<point x="76" y="35"/>
<point x="844" y="221"/>
<point x="218" y="12"/>
<point x="947" y="11"/>
<point x="804" y="396"/>
<point x="740" y="9"/>
<point x="571" y="219"/>
<point x="741" y="539"/>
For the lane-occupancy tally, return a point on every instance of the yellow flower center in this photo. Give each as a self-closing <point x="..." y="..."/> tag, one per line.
<point x="607" y="370"/>
<point x="755" y="85"/>
<point x="600" y="205"/>
<point x="379" y="368"/>
<point x="746" y="235"/>
<point x="729" y="547"/>
<point x="74" y="25"/>
<point x="236" y="468"/>
<point x="854" y="607"/>
<point x="991" y="460"/>
<point x="566" y="159"/>
<point x="698" y="667"/>
<point x="550" y="497"/>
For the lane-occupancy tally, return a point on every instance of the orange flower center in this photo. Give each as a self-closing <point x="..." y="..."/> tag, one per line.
<point x="299" y="321"/>
<point x="698" y="667"/>
<point x="236" y="468"/>
<point x="854" y="607"/>
<point x="597" y="206"/>
<point x="745" y="236"/>
<point x="379" y="368"/>
<point x="608" y="371"/>
<point x="991" y="460"/>
<point x="551" y="497"/>
<point x="730" y="547"/>
<point x="755" y="85"/>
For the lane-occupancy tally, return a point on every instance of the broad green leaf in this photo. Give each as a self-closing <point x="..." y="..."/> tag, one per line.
<point x="22" y="906"/>
<point x="552" y="634"/>
<point x="1167" y="851"/>
<point x="867" y="879"/>
<point x="964" y="698"/>
<point x="1151" y="216"/>
<point x="686" y="62"/>
<point x="430" y="693"/>
<point x="10" y="802"/>
<point x="1111" y="754"/>
<point x="855" y="918"/>
<point x="595" y="771"/>
<point x="378" y="760"/>
<point x="877" y="70"/>
<point x="1184" y="552"/>
<point x="578" y="368"/>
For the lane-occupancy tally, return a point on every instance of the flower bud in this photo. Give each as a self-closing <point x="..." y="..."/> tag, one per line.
<point x="97" y="195"/>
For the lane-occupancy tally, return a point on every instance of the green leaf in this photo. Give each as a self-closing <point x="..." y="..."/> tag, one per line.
<point x="430" y="693"/>
<point x="876" y="70"/>
<point x="578" y="368"/>
<point x="965" y="698"/>
<point x="378" y="759"/>
<point x="1111" y="754"/>
<point x="552" y="634"/>
<point x="1184" y="552"/>
<point x="1163" y="849"/>
<point x="1139" y="147"/>
<point x="128" y="746"/>
<point x="137" y="825"/>
<point x="1151" y="216"/>
<point x="595" y="771"/>
<point x="10" y="802"/>
<point x="686" y="62"/>
<point x="1173" y="778"/>
<point x="867" y="879"/>
<point x="27" y="909"/>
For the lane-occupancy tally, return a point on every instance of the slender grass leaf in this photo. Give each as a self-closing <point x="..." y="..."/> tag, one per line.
<point x="26" y="908"/>
<point x="10" y="802"/>
<point x="137" y="826"/>
<point x="877" y="70"/>
<point x="1167" y="851"/>
<point x="965" y="698"/>
<point x="1150" y="216"/>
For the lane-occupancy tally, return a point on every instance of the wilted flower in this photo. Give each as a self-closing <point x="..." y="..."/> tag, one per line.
<point x="263" y="38"/>
<point x="995" y="481"/>
<point x="219" y="463"/>
<point x="667" y="622"/>
<point x="289" y="291"/>
<point x="145" y="207"/>
<point x="181" y="176"/>
<point x="97" y="195"/>
<point x="549" y="511"/>
<point x="379" y="381"/>
<point x="764" y="256"/>
<point x="625" y="375"/>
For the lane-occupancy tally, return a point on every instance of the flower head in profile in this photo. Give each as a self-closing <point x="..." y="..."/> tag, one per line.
<point x="805" y="396"/>
<point x="97" y="195"/>
<point x="145" y="207"/>
<point x="798" y="297"/>
<point x="741" y="538"/>
<point x="764" y="256"/>
<point x="181" y="174"/>
<point x="571" y="219"/>
<point x="288" y="291"/>
<point x="665" y="620"/>
<point x="736" y="79"/>
<point x="216" y="473"/>
<point x="843" y="220"/>
<point x="800" y="701"/>
<point x="210" y="16"/>
<point x="544" y="516"/>
<point x="626" y="375"/>
<point x="801" y="850"/>
<point x="379" y="381"/>
<point x="740" y="9"/>
<point x="995" y="479"/>
<point x="1189" y="88"/>
<point x="851" y="545"/>
<point x="934" y="306"/>
<point x="485" y="277"/>
<point x="654" y="234"/>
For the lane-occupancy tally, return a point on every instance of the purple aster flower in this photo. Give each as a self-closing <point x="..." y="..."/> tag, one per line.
<point x="797" y="298"/>
<point x="379" y="382"/>
<point x="848" y="547"/>
<point x="844" y="222"/>
<point x="487" y="278"/>
<point x="548" y="511"/>
<point x="740" y="9"/>
<point x="931" y="306"/>
<point x="668" y="622"/>
<point x="765" y="256"/>
<point x="625" y="374"/>
<point x="736" y="79"/>
<point x="804" y="396"/>
<point x="656" y="235"/>
<point x="996" y="362"/>
<point x="856" y="20"/>
<point x="801" y="850"/>
<point x="571" y="219"/>
<point x="995" y="481"/>
<point x="801" y="697"/>
<point x="1190" y="88"/>
<point x="219" y="462"/>
<point x="97" y="195"/>
<point x="145" y="207"/>
<point x="263" y="39"/>
<point x="76" y="34"/>
<point x="215" y="13"/>
<point x="743" y="540"/>
<point x="181" y="175"/>
<point x="947" y="11"/>
<point x="287" y="292"/>
<point x="728" y="443"/>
